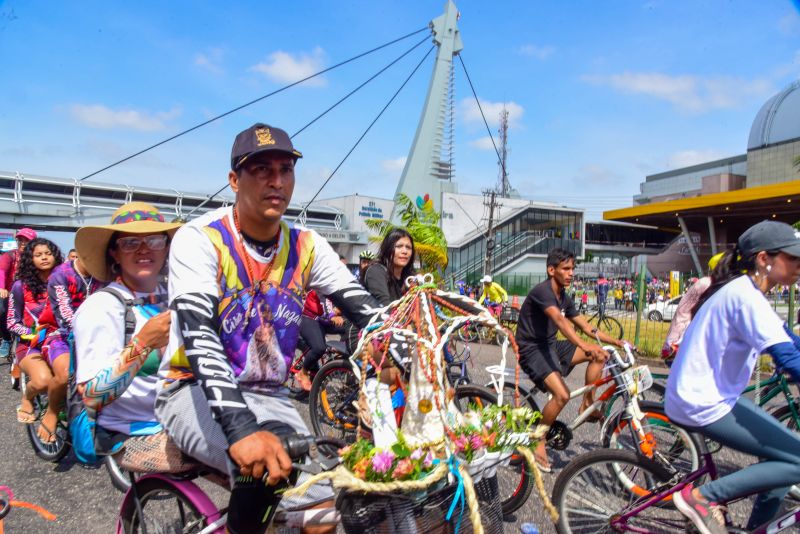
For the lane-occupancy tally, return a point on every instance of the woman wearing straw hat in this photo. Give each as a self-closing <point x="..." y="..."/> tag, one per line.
<point x="131" y="254"/>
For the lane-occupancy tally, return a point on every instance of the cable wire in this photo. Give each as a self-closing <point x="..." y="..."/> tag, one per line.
<point x="259" y="99"/>
<point x="315" y="119"/>
<point x="305" y="208"/>
<point x="499" y="159"/>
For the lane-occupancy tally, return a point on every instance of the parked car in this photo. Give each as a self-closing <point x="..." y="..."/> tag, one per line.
<point x="662" y="311"/>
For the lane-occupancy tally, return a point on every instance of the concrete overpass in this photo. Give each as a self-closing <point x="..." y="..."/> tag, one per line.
<point x="61" y="204"/>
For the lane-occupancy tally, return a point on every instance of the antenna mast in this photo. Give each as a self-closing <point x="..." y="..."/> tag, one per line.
<point x="504" y="188"/>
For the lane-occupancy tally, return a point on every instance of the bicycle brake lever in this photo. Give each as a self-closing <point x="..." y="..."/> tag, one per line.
<point x="317" y="466"/>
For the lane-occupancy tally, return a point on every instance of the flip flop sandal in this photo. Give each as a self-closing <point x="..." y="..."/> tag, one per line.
<point x="26" y="418"/>
<point x="51" y="434"/>
<point x="544" y="468"/>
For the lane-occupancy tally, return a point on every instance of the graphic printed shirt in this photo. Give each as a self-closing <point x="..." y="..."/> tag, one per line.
<point x="208" y="256"/>
<point x="25" y="312"/>
<point x="67" y="290"/>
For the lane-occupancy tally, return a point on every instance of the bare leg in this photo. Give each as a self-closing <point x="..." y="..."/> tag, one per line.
<point x="56" y="392"/>
<point x="39" y="376"/>
<point x="555" y="384"/>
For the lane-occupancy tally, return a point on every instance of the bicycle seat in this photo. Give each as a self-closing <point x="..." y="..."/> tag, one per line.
<point x="154" y="454"/>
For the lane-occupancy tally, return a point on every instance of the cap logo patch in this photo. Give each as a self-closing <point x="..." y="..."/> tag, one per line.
<point x="264" y="137"/>
<point x="797" y="234"/>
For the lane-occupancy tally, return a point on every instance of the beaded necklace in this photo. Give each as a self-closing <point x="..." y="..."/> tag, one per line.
<point x="255" y="287"/>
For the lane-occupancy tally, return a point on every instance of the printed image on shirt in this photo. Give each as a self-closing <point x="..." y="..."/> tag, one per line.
<point x="265" y="361"/>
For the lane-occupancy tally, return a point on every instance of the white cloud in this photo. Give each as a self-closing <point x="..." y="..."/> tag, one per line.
<point x="484" y="143"/>
<point x="394" y="165"/>
<point x="472" y="114"/>
<point x="103" y="117"/>
<point x="210" y="61"/>
<point x="789" y="24"/>
<point x="686" y="92"/>
<point x="686" y="158"/>
<point x="539" y="52"/>
<point x="283" y="67"/>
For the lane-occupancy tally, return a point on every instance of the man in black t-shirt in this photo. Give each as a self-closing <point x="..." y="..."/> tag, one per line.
<point x="547" y="310"/>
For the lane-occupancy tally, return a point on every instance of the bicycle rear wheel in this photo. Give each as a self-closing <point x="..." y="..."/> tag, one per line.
<point x="330" y="403"/>
<point x="50" y="452"/>
<point x="515" y="480"/>
<point x="164" y="509"/>
<point x="598" y="487"/>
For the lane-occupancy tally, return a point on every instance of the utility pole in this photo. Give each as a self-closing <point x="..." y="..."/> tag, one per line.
<point x="491" y="201"/>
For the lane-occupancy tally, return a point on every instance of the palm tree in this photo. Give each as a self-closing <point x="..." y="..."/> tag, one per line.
<point x="423" y="225"/>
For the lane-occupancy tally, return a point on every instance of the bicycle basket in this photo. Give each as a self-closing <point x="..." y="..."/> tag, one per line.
<point x="419" y="513"/>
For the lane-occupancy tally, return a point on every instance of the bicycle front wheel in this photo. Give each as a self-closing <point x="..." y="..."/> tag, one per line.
<point x="673" y="445"/>
<point x="164" y="508"/>
<point x="331" y="401"/>
<point x="601" y="486"/>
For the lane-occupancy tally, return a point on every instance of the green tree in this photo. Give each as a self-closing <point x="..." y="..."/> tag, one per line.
<point x="423" y="225"/>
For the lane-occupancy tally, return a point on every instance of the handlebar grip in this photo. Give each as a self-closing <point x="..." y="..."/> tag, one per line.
<point x="296" y="445"/>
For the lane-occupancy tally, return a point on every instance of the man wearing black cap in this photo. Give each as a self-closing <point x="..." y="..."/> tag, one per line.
<point x="237" y="279"/>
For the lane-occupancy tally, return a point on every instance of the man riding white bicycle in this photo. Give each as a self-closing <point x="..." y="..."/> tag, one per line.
<point x="237" y="278"/>
<point x="733" y="325"/>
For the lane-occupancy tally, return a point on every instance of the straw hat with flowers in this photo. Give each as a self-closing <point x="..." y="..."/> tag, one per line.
<point x="91" y="242"/>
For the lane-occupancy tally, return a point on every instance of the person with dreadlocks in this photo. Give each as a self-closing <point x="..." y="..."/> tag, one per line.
<point x="28" y="310"/>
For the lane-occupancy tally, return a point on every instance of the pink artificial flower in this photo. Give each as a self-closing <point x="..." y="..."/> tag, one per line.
<point x="417" y="454"/>
<point x="460" y="443"/>
<point x="428" y="461"/>
<point x="476" y="441"/>
<point x="404" y="468"/>
<point x="382" y="461"/>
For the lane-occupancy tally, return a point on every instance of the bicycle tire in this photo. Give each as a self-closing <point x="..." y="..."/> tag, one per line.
<point x="515" y="481"/>
<point x="595" y="479"/>
<point x="525" y="395"/>
<point x="119" y="477"/>
<point x="154" y="494"/>
<point x="49" y="452"/>
<point x="655" y="394"/>
<point x="607" y="325"/>
<point x="330" y="407"/>
<point x="678" y="448"/>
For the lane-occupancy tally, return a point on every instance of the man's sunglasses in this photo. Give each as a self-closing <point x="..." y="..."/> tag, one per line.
<point x="132" y="244"/>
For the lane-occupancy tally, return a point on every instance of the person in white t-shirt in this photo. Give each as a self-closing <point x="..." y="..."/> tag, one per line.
<point x="118" y="375"/>
<point x="733" y="325"/>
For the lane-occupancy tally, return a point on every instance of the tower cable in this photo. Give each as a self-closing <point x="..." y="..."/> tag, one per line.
<point x="259" y="99"/>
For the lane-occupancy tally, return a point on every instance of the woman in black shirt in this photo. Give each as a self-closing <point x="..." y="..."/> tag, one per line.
<point x="385" y="278"/>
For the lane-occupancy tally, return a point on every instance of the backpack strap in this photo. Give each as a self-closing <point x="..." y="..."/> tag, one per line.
<point x="130" y="318"/>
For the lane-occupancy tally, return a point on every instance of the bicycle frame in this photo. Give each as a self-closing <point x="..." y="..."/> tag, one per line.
<point x="708" y="467"/>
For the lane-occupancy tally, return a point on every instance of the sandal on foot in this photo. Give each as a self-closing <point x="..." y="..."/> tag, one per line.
<point x="51" y="434"/>
<point x="543" y="467"/>
<point x="25" y="417"/>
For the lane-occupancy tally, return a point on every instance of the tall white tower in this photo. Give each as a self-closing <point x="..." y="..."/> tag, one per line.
<point x="429" y="169"/>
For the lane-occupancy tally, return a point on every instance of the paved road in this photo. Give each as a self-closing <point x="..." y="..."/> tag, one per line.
<point x="85" y="501"/>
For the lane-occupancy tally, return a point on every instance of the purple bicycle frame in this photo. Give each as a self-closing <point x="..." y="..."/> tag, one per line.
<point x="707" y="468"/>
<point x="188" y="489"/>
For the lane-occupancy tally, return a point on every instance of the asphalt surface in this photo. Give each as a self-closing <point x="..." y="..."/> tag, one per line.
<point x="85" y="501"/>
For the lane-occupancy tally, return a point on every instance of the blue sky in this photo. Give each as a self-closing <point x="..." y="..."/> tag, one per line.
<point x="600" y="93"/>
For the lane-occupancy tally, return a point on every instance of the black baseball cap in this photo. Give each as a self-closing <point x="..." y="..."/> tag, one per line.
<point x="259" y="138"/>
<point x="770" y="236"/>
